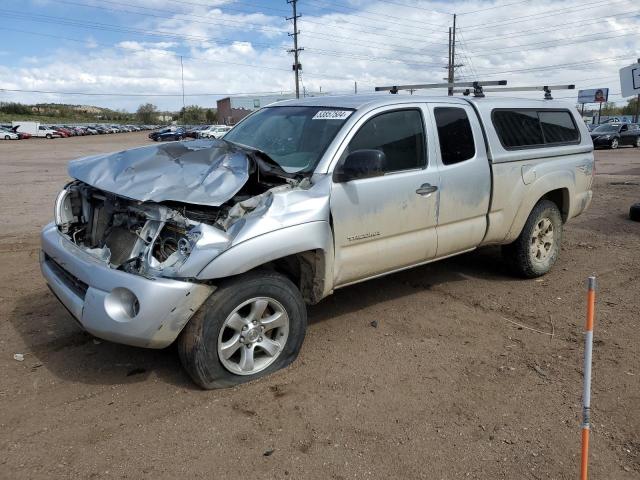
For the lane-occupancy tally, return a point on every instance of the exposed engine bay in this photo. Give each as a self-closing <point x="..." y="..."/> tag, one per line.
<point x="148" y="238"/>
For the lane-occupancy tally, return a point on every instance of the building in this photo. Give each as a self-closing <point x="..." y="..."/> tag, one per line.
<point x="233" y="109"/>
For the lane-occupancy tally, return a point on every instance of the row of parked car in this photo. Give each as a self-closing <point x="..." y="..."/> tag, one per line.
<point x="175" y="132"/>
<point x="20" y="130"/>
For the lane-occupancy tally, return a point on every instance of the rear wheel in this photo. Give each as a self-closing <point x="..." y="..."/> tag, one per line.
<point x="7" y="137"/>
<point x="253" y="325"/>
<point x="49" y="136"/>
<point x="637" y="144"/>
<point x="537" y="247"/>
<point x="614" y="143"/>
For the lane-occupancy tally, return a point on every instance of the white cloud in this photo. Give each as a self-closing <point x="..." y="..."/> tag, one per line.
<point x="380" y="43"/>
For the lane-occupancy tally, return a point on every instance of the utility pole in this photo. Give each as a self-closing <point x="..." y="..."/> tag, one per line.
<point x="355" y="87"/>
<point x="451" y="67"/>
<point x="638" y="105"/>
<point x="296" y="65"/>
<point x="182" y="76"/>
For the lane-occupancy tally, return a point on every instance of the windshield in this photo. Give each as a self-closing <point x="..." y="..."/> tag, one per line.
<point x="606" y="129"/>
<point x="294" y="137"/>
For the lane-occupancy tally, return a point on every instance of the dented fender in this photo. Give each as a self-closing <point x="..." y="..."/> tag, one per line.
<point x="271" y="246"/>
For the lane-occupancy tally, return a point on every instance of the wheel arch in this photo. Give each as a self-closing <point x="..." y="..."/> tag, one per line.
<point x="555" y="188"/>
<point x="303" y="253"/>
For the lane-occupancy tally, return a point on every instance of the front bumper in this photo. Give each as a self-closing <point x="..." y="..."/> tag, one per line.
<point x="602" y="142"/>
<point x="100" y="298"/>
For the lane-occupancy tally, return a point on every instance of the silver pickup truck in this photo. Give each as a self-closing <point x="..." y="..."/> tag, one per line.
<point x="220" y="244"/>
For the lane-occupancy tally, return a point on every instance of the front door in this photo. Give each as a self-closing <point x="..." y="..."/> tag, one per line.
<point x="386" y="222"/>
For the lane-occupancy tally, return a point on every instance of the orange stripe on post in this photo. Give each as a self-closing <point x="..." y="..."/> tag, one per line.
<point x="584" y="464"/>
<point x="591" y="304"/>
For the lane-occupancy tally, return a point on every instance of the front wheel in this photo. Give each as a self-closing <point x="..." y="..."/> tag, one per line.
<point x="637" y="144"/>
<point x="49" y="136"/>
<point x="614" y="143"/>
<point x="7" y="137"/>
<point x="253" y="325"/>
<point x="537" y="247"/>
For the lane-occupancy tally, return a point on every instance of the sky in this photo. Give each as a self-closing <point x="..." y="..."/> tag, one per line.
<point x="126" y="53"/>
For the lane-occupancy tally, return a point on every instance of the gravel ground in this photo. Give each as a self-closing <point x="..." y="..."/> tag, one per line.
<point x="468" y="373"/>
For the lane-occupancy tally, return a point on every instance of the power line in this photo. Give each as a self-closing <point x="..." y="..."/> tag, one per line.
<point x="526" y="18"/>
<point x="161" y="52"/>
<point x="492" y="8"/>
<point x="548" y="67"/>
<point x="101" y="94"/>
<point x="552" y="28"/>
<point x="518" y="49"/>
<point x="321" y="4"/>
<point x="227" y="21"/>
<point x="415" y="7"/>
<point x="163" y="34"/>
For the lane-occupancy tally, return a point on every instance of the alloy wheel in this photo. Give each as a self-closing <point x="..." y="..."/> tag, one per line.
<point x="253" y="336"/>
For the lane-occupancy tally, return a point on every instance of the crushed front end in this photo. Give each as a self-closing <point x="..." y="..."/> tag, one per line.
<point x="135" y="229"/>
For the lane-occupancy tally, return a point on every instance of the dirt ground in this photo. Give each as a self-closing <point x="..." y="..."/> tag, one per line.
<point x="446" y="386"/>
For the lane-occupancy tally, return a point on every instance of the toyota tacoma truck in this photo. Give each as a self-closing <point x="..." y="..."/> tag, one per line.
<point x="220" y="244"/>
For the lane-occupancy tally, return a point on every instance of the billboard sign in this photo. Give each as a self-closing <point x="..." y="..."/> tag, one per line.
<point x="594" y="95"/>
<point x="630" y="80"/>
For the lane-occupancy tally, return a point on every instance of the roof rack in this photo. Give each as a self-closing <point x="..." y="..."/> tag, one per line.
<point x="477" y="86"/>
<point x="546" y="89"/>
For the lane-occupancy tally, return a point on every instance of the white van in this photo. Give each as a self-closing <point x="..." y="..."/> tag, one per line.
<point x="35" y="129"/>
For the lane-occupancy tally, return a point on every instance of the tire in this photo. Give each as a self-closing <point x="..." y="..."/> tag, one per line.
<point x="537" y="247"/>
<point x="637" y="144"/>
<point x="615" y="143"/>
<point x="634" y="212"/>
<point x="224" y="317"/>
<point x="49" y="136"/>
<point x="7" y="137"/>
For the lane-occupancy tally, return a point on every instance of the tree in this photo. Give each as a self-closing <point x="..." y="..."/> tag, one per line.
<point x="211" y="115"/>
<point x="630" y="108"/>
<point x="192" y="114"/>
<point x="146" y="113"/>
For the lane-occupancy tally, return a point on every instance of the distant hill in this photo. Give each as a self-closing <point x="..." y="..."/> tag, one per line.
<point x="60" y="113"/>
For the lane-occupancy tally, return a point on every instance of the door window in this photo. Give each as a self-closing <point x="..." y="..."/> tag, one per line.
<point x="399" y="134"/>
<point x="455" y="135"/>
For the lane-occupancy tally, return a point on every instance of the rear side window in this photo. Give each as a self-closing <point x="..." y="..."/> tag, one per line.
<point x="455" y="135"/>
<point x="558" y="127"/>
<point x="399" y="134"/>
<point x="534" y="128"/>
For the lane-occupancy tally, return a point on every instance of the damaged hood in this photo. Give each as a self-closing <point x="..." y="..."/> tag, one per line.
<point x="202" y="172"/>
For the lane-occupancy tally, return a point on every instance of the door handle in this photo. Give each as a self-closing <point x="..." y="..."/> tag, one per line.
<point x="426" y="189"/>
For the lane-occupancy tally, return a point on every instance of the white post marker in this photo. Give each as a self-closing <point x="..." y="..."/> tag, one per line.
<point x="586" y="392"/>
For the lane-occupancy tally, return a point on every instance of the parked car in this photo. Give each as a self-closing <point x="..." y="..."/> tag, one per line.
<point x="215" y="131"/>
<point x="170" y="133"/>
<point x="613" y="135"/>
<point x="194" y="132"/>
<point x="21" y="135"/>
<point x="64" y="133"/>
<point x="249" y="229"/>
<point x="6" y="134"/>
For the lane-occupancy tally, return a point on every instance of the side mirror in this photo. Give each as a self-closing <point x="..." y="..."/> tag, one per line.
<point x="360" y="164"/>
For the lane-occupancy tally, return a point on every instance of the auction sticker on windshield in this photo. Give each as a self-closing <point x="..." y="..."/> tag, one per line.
<point x="332" y="115"/>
